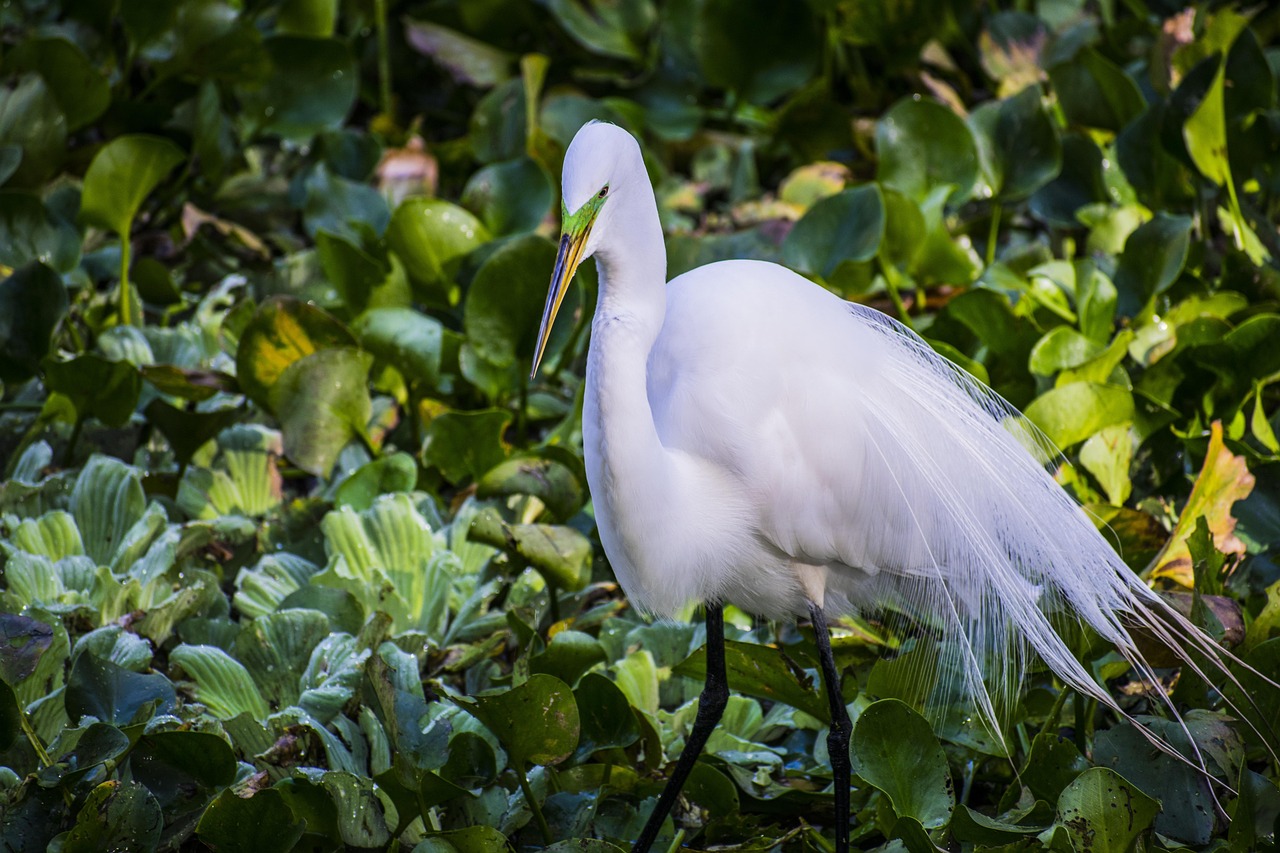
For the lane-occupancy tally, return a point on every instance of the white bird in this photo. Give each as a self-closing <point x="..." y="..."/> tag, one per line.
<point x="752" y="439"/>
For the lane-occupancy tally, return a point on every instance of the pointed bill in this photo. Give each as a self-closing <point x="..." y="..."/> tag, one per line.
<point x="573" y="241"/>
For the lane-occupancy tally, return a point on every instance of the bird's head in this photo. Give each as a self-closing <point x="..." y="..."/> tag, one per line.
<point x="603" y="164"/>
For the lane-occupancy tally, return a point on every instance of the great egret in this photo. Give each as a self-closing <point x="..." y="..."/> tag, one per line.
<point x="751" y="438"/>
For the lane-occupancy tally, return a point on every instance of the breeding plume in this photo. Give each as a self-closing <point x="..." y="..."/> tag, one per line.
<point x="752" y="439"/>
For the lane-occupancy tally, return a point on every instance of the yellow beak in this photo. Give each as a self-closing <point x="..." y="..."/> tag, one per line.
<point x="573" y="241"/>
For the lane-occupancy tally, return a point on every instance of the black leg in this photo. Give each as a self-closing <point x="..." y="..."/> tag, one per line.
<point x="715" y="695"/>
<point x="841" y="728"/>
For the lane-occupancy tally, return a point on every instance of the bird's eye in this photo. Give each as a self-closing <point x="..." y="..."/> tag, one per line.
<point x="604" y="191"/>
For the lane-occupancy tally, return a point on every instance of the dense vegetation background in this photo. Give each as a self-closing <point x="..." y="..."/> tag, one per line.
<point x="295" y="556"/>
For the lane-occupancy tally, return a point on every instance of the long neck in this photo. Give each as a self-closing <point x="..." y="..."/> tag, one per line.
<point x="618" y="422"/>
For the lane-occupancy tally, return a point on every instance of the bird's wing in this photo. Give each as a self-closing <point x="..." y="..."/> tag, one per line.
<point x="922" y="490"/>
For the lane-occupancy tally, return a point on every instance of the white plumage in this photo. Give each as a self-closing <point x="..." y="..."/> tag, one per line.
<point x="750" y="438"/>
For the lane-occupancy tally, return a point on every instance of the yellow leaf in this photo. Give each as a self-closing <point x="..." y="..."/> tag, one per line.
<point x="1223" y="480"/>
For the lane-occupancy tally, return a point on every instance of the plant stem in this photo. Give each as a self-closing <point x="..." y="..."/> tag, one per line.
<point x="533" y="805"/>
<point x="994" y="233"/>
<point x="384" y="57"/>
<point x="126" y="296"/>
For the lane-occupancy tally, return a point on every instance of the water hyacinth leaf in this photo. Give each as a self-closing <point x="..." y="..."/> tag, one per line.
<point x="431" y="237"/>
<point x="117" y="815"/>
<point x="1080" y="183"/>
<point x="1153" y="257"/>
<point x="466" y="445"/>
<point x="33" y="301"/>
<point x="759" y="49"/>
<point x="32" y="123"/>
<point x="568" y="655"/>
<point x="583" y="845"/>
<point x="535" y="722"/>
<point x="234" y="824"/>
<point x="393" y="690"/>
<point x="1095" y="92"/>
<point x="1026" y="145"/>
<point x="188" y="431"/>
<point x="1010" y="45"/>
<point x="895" y="750"/>
<point x="845" y="227"/>
<point x="81" y="92"/>
<point x="762" y="672"/>
<point x="467" y="60"/>
<point x="201" y="757"/>
<point x="1052" y="764"/>
<point x="510" y="197"/>
<point x="1187" y="812"/>
<point x="553" y="475"/>
<point x="505" y="302"/>
<point x="338" y="205"/>
<point x="1107" y="455"/>
<point x="194" y="385"/>
<point x="472" y="839"/>
<point x="353" y="271"/>
<point x="408" y="340"/>
<point x="1071" y="413"/>
<point x="616" y="30"/>
<point x="30" y="232"/>
<point x="97" y="388"/>
<point x="23" y="641"/>
<point x="282" y="331"/>
<point x="221" y="682"/>
<point x="312" y="87"/>
<point x="1101" y="810"/>
<point x="974" y="827"/>
<point x="323" y="403"/>
<point x="101" y="689"/>
<point x="605" y="716"/>
<point x="1061" y="348"/>
<point x="561" y="554"/>
<point x="121" y="176"/>
<point x="397" y="472"/>
<point x="922" y="146"/>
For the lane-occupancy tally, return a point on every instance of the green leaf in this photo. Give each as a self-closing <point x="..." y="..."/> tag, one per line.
<point x="116" y="816"/>
<point x="848" y="226"/>
<point x="312" y="87"/>
<point x="1063" y="347"/>
<point x="30" y="232"/>
<point x="33" y="302"/>
<point x="23" y="641"/>
<point x="81" y="92"/>
<point x="568" y="656"/>
<point x="512" y="197"/>
<point x="283" y="330"/>
<point x="535" y="722"/>
<point x="115" y="695"/>
<point x="275" y="648"/>
<point x="1018" y="144"/>
<point x="397" y="472"/>
<point x="322" y="401"/>
<point x="760" y="49"/>
<point x="560" y="553"/>
<point x="202" y="757"/>
<point x="394" y="692"/>
<point x="222" y="683"/>
<point x="1153" y="257"/>
<point x="107" y="502"/>
<point x="605" y="715"/>
<point x="406" y="339"/>
<point x="1095" y="92"/>
<point x="32" y="123"/>
<point x="554" y="476"/>
<point x="1052" y="764"/>
<point x="107" y="390"/>
<point x="235" y="824"/>
<point x="763" y="672"/>
<point x="1107" y="455"/>
<point x="505" y="301"/>
<point x="1071" y="413"/>
<point x="472" y="839"/>
<point x="895" y="750"/>
<point x="121" y="176"/>
<point x="432" y="237"/>
<point x="923" y="146"/>
<point x="188" y="431"/>
<point x="1102" y="811"/>
<point x="616" y="29"/>
<point x="465" y="445"/>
